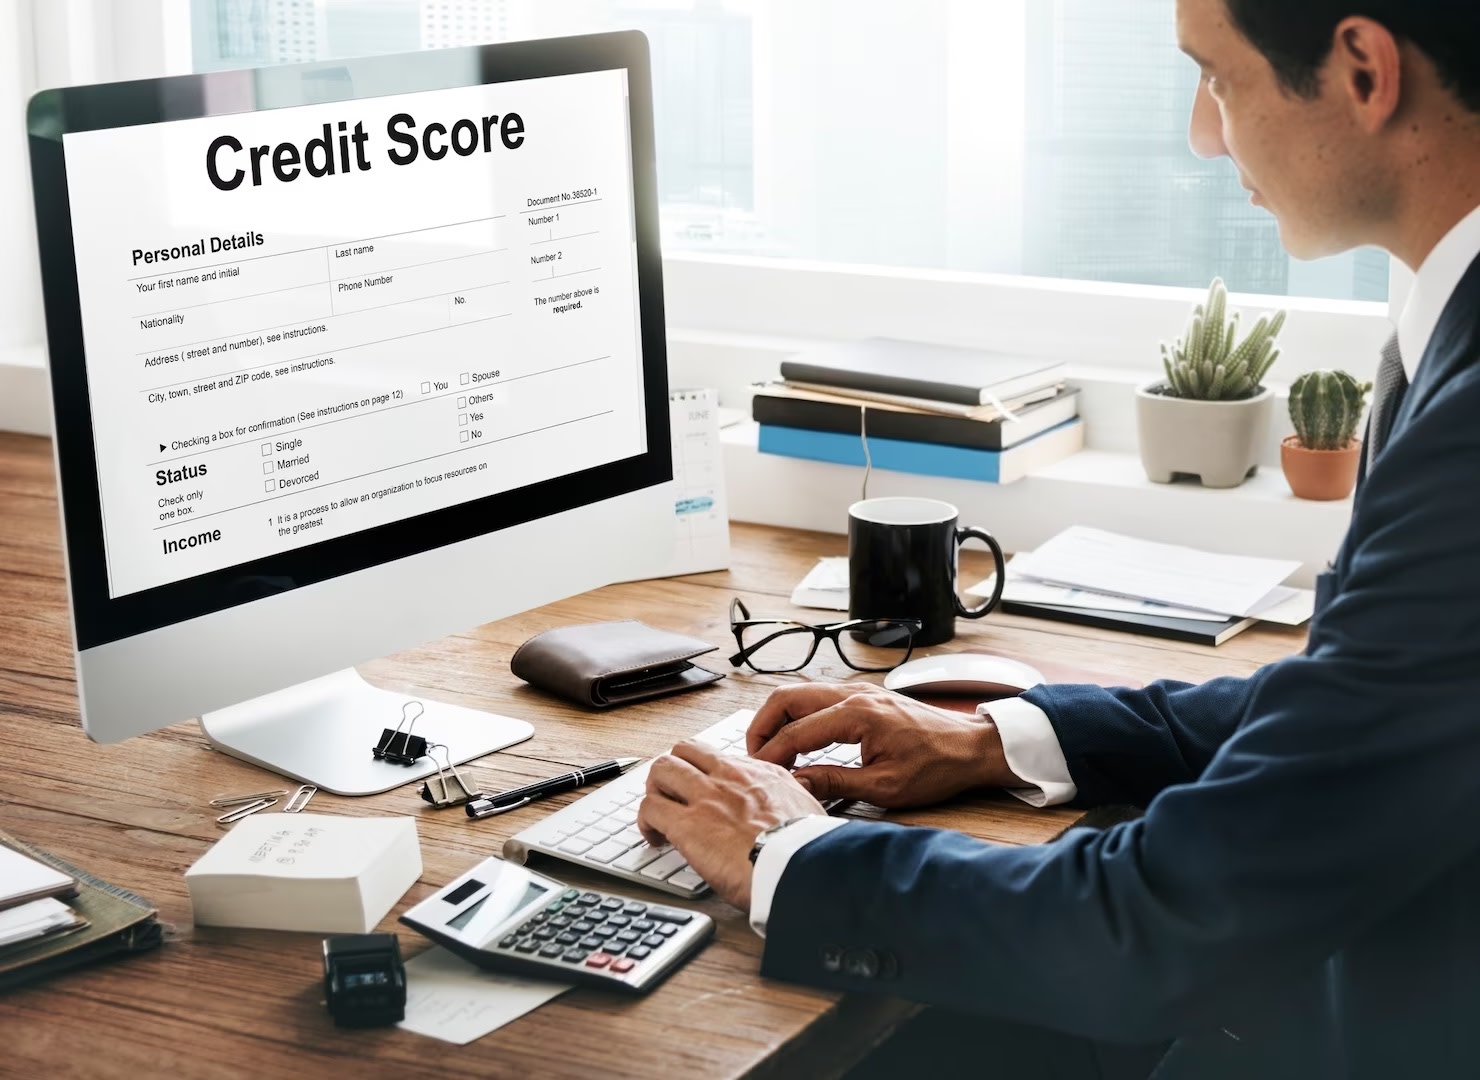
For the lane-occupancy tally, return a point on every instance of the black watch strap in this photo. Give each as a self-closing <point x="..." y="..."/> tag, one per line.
<point x="765" y="834"/>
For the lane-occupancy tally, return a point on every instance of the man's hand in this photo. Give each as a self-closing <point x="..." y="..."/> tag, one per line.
<point x="711" y="807"/>
<point x="913" y="754"/>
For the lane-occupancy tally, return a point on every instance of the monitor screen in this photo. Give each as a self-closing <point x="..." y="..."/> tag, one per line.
<point x="347" y="356"/>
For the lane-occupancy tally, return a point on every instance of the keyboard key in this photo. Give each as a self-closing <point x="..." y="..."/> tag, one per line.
<point x="668" y="914"/>
<point x="611" y="826"/>
<point x="587" y="816"/>
<point x="629" y="837"/>
<point x="592" y="836"/>
<point x="665" y="866"/>
<point x="605" y="853"/>
<point x="576" y="847"/>
<point x="626" y="815"/>
<point x="686" y="879"/>
<point x="637" y="858"/>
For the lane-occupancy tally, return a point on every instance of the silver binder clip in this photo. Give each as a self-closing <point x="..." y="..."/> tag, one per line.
<point x="299" y="798"/>
<point x="449" y="787"/>
<point x="243" y="811"/>
<point x="398" y="745"/>
<point x="237" y="800"/>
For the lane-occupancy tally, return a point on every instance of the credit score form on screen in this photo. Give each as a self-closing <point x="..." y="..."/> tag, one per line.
<point x="305" y="322"/>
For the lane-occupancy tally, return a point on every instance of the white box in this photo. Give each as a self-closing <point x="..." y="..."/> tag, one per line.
<point x="313" y="872"/>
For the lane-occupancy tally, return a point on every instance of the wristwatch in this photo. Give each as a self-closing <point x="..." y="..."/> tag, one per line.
<point x="765" y="835"/>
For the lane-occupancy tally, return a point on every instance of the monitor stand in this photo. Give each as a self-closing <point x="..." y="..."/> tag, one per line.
<point x="322" y="732"/>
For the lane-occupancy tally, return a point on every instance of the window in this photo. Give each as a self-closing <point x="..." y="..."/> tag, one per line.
<point x="1017" y="137"/>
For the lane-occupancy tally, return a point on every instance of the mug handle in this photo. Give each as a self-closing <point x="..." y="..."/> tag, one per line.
<point x="964" y="534"/>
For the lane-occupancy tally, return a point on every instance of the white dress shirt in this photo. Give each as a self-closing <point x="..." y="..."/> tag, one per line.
<point x="1028" y="741"/>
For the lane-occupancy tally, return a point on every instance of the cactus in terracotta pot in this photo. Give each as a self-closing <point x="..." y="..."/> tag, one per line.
<point x="1206" y="365"/>
<point x="1325" y="407"/>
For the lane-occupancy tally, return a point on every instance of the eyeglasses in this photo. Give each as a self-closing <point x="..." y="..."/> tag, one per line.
<point x="775" y="646"/>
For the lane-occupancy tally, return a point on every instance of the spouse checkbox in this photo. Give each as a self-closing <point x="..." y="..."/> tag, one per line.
<point x="464" y="379"/>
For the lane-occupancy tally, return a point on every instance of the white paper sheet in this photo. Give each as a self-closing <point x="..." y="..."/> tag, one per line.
<point x="825" y="586"/>
<point x="34" y="919"/>
<point x="1169" y="573"/>
<point x="450" y="999"/>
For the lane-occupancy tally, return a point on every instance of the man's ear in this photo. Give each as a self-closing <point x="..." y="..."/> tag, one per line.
<point x="1366" y="65"/>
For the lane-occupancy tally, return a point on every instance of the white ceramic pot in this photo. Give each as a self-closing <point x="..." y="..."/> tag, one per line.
<point x="1218" y="442"/>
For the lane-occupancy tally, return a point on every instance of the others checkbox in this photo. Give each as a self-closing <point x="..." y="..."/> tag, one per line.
<point x="462" y="419"/>
<point x="266" y="467"/>
<point x="462" y="436"/>
<point x="269" y="485"/>
<point x="462" y="403"/>
<point x="267" y="449"/>
<point x="464" y="379"/>
<point x="426" y="388"/>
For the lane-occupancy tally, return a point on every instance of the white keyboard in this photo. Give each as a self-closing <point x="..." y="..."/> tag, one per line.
<point x="599" y="830"/>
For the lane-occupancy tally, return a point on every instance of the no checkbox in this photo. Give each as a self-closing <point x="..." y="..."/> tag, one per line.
<point x="462" y="436"/>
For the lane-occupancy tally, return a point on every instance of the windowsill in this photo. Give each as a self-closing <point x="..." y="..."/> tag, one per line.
<point x="1102" y="488"/>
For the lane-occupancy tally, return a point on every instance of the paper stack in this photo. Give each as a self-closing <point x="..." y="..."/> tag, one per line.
<point x="313" y="872"/>
<point x="1104" y="579"/>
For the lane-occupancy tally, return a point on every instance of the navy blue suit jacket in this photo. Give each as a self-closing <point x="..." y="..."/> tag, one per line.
<point x="1302" y="895"/>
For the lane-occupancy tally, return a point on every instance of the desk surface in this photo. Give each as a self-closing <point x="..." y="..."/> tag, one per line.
<point x="216" y="1002"/>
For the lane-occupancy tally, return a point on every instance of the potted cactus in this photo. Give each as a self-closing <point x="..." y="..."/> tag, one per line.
<point x="1209" y="416"/>
<point x="1320" y="459"/>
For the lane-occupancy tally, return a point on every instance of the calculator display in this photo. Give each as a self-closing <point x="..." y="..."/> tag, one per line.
<point x="532" y="892"/>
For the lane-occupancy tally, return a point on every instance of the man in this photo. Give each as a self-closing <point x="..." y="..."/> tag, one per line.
<point x="1302" y="895"/>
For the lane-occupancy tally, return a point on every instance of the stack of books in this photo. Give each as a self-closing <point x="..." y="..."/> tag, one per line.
<point x="932" y="410"/>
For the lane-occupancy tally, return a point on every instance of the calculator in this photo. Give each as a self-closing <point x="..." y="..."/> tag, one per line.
<point x="504" y="917"/>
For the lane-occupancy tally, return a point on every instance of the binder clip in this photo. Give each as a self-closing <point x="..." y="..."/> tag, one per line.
<point x="399" y="746"/>
<point x="449" y="787"/>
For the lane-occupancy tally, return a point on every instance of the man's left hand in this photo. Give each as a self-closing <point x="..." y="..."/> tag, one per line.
<point x="711" y="807"/>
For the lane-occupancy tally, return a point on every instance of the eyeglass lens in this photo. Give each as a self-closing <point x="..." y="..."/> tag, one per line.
<point x="872" y="646"/>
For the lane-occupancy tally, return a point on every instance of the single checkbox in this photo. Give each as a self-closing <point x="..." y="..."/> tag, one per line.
<point x="462" y="419"/>
<point x="266" y="467"/>
<point x="462" y="436"/>
<point x="269" y="485"/>
<point x="426" y="388"/>
<point x="464" y="379"/>
<point x="462" y="403"/>
<point x="267" y="449"/>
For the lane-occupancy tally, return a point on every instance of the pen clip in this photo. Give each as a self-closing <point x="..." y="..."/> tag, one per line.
<point x="475" y="811"/>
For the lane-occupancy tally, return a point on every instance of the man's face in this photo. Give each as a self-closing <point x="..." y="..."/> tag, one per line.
<point x="1299" y="157"/>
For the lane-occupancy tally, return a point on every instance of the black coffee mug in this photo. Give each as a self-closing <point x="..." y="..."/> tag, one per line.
<point x="902" y="565"/>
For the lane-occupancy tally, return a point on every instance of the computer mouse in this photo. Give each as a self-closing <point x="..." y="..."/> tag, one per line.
<point x="979" y="675"/>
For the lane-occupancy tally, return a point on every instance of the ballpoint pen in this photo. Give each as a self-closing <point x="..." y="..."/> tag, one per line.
<point x="504" y="801"/>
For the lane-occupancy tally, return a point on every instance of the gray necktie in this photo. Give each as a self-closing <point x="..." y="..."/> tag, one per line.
<point x="1387" y="395"/>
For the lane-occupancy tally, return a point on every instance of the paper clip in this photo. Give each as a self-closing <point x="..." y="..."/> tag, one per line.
<point x="402" y="747"/>
<point x="449" y="787"/>
<point x="242" y="811"/>
<point x="237" y="800"/>
<point x="300" y="798"/>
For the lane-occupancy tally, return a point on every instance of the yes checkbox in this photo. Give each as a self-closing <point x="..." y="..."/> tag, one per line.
<point x="464" y="379"/>
<point x="462" y="419"/>
<point x="462" y="436"/>
<point x="266" y="467"/>
<point x="462" y="403"/>
<point x="269" y="485"/>
<point x="267" y="449"/>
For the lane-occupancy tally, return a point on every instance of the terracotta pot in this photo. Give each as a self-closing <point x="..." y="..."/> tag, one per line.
<point x="1216" y="441"/>
<point x="1320" y="474"/>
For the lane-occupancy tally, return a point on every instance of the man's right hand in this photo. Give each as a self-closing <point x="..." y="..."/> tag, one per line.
<point x="913" y="754"/>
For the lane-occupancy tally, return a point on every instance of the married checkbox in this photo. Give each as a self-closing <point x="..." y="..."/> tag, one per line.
<point x="266" y="467"/>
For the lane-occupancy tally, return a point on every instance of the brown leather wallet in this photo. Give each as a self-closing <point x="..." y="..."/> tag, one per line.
<point x="612" y="663"/>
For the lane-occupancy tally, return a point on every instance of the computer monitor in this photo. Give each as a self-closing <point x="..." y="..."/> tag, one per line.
<point x="345" y="357"/>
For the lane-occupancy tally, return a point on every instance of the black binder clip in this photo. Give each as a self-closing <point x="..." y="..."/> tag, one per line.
<point x="398" y="746"/>
<point x="449" y="787"/>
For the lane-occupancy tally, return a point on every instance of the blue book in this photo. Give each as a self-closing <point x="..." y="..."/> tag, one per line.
<point x="928" y="459"/>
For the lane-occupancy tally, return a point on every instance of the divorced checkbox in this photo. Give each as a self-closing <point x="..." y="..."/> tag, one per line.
<point x="462" y="419"/>
<point x="426" y="388"/>
<point x="269" y="485"/>
<point x="267" y="449"/>
<point x="462" y="436"/>
<point x="266" y="467"/>
<point x="462" y="403"/>
<point x="464" y="379"/>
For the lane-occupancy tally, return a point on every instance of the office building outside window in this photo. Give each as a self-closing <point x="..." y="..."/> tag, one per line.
<point x="1037" y="137"/>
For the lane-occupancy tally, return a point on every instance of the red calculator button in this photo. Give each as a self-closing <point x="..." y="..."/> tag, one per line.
<point x="622" y="964"/>
<point x="598" y="960"/>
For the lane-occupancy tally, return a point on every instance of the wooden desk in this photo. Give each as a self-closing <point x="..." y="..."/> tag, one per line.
<point x="223" y="1003"/>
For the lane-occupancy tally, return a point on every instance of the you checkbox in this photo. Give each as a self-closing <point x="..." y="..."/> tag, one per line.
<point x="266" y="467"/>
<point x="267" y="449"/>
<point x="426" y="388"/>
<point x="269" y="485"/>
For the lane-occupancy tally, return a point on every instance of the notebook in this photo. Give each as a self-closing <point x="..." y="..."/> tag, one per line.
<point x="917" y="369"/>
<point x="118" y="923"/>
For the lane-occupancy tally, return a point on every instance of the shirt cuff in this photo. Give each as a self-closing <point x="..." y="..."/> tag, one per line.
<point x="1032" y="751"/>
<point x="771" y="863"/>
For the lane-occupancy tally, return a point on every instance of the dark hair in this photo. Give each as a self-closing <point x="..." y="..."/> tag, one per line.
<point x="1296" y="36"/>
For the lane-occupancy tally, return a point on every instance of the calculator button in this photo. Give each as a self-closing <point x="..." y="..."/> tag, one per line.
<point x="544" y="933"/>
<point x="673" y="915"/>
<point x="561" y="922"/>
<point x="590" y="943"/>
<point x="576" y="911"/>
<point x="568" y="938"/>
<point x="653" y="941"/>
<point x="590" y="898"/>
<point x="573" y="956"/>
<point x="604" y="931"/>
<point x="598" y="960"/>
<point x="582" y="927"/>
<point x="619" y="921"/>
<point x="611" y="903"/>
<point x="639" y="952"/>
<point x="632" y="907"/>
<point x="629" y="935"/>
<point x="552" y="951"/>
<point x="667" y="929"/>
<point x="644" y="925"/>
<point x="508" y="942"/>
<point x="570" y="894"/>
<point x="613" y="946"/>
<point x="554" y="909"/>
<point x="527" y="946"/>
<point x="621" y="965"/>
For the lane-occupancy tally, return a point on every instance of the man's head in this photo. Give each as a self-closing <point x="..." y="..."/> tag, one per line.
<point x="1335" y="112"/>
